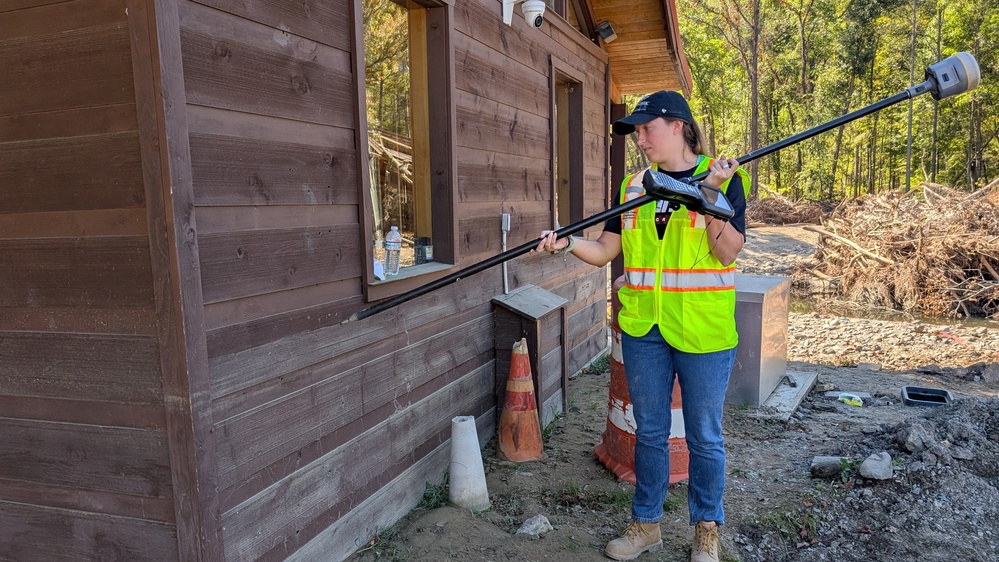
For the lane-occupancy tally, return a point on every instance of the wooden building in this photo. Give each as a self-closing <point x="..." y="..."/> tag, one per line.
<point x="185" y="222"/>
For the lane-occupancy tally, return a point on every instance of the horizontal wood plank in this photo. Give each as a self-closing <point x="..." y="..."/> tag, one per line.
<point x="66" y="70"/>
<point x="491" y="74"/>
<point x="12" y="5"/>
<point x="213" y="220"/>
<point x="70" y="174"/>
<point x="207" y="121"/>
<point x="307" y="443"/>
<point x="236" y="171"/>
<point x="103" y="119"/>
<point x="125" y="321"/>
<point x="71" y="497"/>
<point x="587" y="350"/>
<point x="484" y="175"/>
<point x="324" y="21"/>
<point x="236" y="64"/>
<point x="381" y="510"/>
<point x="68" y="410"/>
<point x="69" y="16"/>
<point x="74" y="224"/>
<point x="45" y="534"/>
<point x="106" y="272"/>
<point x="335" y="298"/>
<point x="250" y="378"/>
<point x="81" y="367"/>
<point x="241" y="264"/>
<point x="486" y="124"/>
<point x="109" y="459"/>
<point x="319" y="489"/>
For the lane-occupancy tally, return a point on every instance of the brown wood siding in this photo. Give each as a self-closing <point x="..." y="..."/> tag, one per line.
<point x="325" y="490"/>
<point x="32" y="532"/>
<point x="500" y="172"/>
<point x="86" y="471"/>
<point x="270" y="110"/>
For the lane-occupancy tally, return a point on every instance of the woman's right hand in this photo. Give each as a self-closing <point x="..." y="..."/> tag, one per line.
<point x="550" y="242"/>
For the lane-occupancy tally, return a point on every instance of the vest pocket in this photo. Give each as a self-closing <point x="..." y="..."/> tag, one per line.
<point x="715" y="324"/>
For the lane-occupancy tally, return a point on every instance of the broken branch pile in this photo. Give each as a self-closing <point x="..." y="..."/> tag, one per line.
<point x="777" y="209"/>
<point x="934" y="250"/>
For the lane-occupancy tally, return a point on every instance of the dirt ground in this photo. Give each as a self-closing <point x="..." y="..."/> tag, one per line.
<point x="940" y="502"/>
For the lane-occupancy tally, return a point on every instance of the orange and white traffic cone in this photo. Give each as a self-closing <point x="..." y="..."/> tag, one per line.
<point x="617" y="448"/>
<point x="519" y="426"/>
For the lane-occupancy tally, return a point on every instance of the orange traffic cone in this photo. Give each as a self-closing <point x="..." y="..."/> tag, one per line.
<point x="519" y="427"/>
<point x="617" y="449"/>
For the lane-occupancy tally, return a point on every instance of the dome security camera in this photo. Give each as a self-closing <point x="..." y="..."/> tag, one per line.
<point x="534" y="12"/>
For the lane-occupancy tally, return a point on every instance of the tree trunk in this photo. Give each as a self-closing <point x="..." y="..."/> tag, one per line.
<point x="936" y="104"/>
<point x="754" y="84"/>
<point x="839" y="133"/>
<point x="912" y="78"/>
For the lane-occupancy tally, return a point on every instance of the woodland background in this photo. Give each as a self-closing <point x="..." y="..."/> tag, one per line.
<point x="764" y="70"/>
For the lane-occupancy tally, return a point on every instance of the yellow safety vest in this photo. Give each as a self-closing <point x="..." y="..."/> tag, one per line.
<point x="675" y="283"/>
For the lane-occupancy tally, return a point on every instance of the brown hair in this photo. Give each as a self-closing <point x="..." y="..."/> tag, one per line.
<point x="692" y="135"/>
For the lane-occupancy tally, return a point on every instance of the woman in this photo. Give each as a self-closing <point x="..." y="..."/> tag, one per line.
<point x="677" y="319"/>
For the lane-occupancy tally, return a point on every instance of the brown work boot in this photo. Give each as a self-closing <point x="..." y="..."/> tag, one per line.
<point x="638" y="538"/>
<point x="706" y="545"/>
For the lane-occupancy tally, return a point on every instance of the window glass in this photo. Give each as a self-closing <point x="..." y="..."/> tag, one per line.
<point x="398" y="124"/>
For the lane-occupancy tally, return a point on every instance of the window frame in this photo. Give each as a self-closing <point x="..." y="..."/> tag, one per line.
<point x="558" y="72"/>
<point x="443" y="165"/>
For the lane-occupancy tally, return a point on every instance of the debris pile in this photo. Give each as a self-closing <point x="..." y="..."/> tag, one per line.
<point x="775" y="209"/>
<point x="934" y="251"/>
<point x="937" y="494"/>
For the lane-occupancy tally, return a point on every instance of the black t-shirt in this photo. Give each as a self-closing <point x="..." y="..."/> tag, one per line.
<point x="735" y="194"/>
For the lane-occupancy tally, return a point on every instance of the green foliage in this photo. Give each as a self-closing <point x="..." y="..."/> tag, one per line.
<point x="793" y="527"/>
<point x="386" y="65"/>
<point x="673" y="502"/>
<point x="436" y="495"/>
<point x="819" y="59"/>
<point x="848" y="469"/>
<point x="601" y="364"/>
<point x="551" y="428"/>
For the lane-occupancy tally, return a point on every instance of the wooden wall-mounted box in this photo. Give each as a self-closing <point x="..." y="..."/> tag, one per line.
<point x="539" y="316"/>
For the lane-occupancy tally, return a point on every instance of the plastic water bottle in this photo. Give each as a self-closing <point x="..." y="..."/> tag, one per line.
<point x="393" y="246"/>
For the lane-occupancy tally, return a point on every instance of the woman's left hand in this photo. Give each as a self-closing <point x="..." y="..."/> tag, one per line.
<point x="721" y="170"/>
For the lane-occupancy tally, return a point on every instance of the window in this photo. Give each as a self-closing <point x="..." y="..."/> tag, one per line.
<point x="409" y="128"/>
<point x="567" y="145"/>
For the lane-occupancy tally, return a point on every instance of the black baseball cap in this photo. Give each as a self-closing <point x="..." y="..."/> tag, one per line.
<point x="660" y="104"/>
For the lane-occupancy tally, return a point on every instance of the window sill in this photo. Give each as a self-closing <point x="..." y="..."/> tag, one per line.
<point x="409" y="278"/>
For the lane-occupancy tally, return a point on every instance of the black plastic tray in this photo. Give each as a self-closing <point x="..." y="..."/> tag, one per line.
<point x="921" y="396"/>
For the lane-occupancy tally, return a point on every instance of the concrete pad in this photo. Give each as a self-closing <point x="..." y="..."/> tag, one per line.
<point x="786" y="398"/>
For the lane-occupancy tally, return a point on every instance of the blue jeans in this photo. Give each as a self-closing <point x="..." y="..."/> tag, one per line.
<point x="650" y="365"/>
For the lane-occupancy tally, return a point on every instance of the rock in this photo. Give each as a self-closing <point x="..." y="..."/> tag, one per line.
<point x="932" y="369"/>
<point x="535" y="526"/>
<point x="991" y="373"/>
<point x="870" y="429"/>
<point x="827" y="467"/>
<point x="914" y="438"/>
<point x="877" y="467"/>
<point x="824" y="386"/>
<point x="869" y="366"/>
<point x="961" y="453"/>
